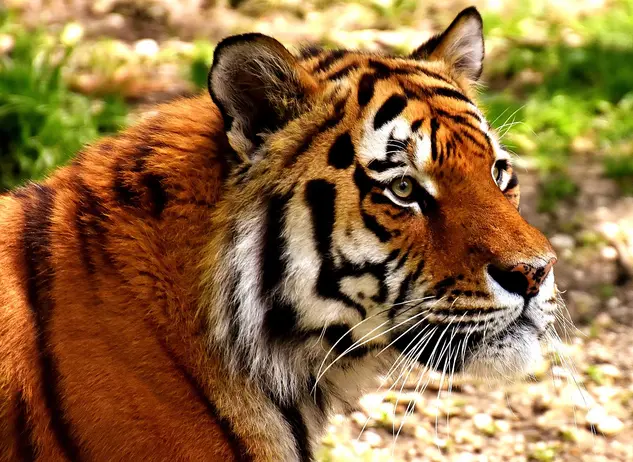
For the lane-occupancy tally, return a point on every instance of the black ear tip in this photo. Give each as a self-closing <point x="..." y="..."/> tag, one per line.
<point x="238" y="39"/>
<point x="470" y="12"/>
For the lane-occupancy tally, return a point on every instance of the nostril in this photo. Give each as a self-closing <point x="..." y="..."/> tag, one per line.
<point x="522" y="279"/>
<point x="514" y="281"/>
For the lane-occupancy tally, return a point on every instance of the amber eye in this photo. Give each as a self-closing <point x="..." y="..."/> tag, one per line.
<point x="499" y="168"/>
<point x="402" y="187"/>
<point x="496" y="173"/>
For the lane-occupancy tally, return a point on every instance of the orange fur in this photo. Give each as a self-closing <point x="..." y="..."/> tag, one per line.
<point x="109" y="269"/>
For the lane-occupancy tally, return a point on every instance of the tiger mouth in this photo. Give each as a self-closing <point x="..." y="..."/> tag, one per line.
<point x="452" y="348"/>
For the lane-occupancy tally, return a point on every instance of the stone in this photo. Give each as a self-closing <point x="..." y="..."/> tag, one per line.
<point x="484" y="423"/>
<point x="147" y="48"/>
<point x="610" y="425"/>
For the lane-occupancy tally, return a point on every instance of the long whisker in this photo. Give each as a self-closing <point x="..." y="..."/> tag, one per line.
<point x="359" y="343"/>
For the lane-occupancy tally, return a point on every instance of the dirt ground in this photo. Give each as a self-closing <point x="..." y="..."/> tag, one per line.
<point x="578" y="404"/>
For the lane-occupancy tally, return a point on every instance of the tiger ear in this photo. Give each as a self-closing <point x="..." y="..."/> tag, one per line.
<point x="461" y="45"/>
<point x="258" y="85"/>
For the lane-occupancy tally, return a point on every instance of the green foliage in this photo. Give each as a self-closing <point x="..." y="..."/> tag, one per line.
<point x="43" y="123"/>
<point x="556" y="187"/>
<point x="200" y="63"/>
<point x="565" y="92"/>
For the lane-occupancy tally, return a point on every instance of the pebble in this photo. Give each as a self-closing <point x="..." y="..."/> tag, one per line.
<point x="610" y="425"/>
<point x="72" y="34"/>
<point x="372" y="438"/>
<point x="609" y="253"/>
<point x="484" y="423"/>
<point x="147" y="48"/>
<point x="7" y="42"/>
<point x="609" y="370"/>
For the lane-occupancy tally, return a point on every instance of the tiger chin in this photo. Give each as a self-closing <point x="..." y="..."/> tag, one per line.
<point x="214" y="282"/>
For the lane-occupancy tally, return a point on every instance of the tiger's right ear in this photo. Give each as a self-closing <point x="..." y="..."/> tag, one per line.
<point x="259" y="86"/>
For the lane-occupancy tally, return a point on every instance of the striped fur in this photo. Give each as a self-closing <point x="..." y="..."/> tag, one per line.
<point x="213" y="282"/>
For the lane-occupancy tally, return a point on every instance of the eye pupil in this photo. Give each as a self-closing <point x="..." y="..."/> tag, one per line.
<point x="402" y="187"/>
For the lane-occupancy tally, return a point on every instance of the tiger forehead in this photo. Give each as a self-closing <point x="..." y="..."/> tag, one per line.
<point x="399" y="131"/>
<point x="334" y="65"/>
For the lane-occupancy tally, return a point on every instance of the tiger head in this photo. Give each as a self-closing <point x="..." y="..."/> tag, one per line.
<point x="370" y="206"/>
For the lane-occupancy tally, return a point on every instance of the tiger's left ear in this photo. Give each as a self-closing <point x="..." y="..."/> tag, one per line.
<point x="259" y="86"/>
<point x="461" y="45"/>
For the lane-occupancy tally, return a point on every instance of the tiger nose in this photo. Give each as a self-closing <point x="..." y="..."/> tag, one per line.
<point x="522" y="279"/>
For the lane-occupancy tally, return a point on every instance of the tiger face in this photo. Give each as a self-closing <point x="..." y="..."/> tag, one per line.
<point x="372" y="207"/>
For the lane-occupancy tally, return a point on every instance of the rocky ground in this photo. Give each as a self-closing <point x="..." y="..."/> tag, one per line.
<point x="578" y="404"/>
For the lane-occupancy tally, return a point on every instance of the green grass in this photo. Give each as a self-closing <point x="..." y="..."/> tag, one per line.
<point x="43" y="123"/>
<point x="579" y="91"/>
<point x="560" y="86"/>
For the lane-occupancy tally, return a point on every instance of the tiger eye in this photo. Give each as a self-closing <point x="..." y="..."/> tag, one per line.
<point x="496" y="173"/>
<point x="402" y="187"/>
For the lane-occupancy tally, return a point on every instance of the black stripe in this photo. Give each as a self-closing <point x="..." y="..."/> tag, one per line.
<point x="372" y="224"/>
<point x="310" y="52"/>
<point x="318" y="394"/>
<point x="297" y="425"/>
<point x="40" y="276"/>
<point x="157" y="195"/>
<point x="280" y="319"/>
<point x="513" y="182"/>
<point x="281" y="322"/>
<point x="343" y="72"/>
<point x="90" y="222"/>
<point x="237" y="446"/>
<point x="415" y="126"/>
<point x="340" y="335"/>
<point x="434" y="127"/>
<point x="402" y="260"/>
<point x="473" y="140"/>
<point x="320" y="196"/>
<point x="379" y="166"/>
<point x="458" y="119"/>
<point x="329" y="60"/>
<point x="26" y="450"/>
<point x="331" y="122"/>
<point x="366" y="87"/>
<point x="274" y="265"/>
<point x="391" y="109"/>
<point x="442" y="287"/>
<point x="405" y="287"/>
<point x="449" y="93"/>
<point x="341" y="153"/>
<point x="123" y="193"/>
<point x="434" y="75"/>
<point x="383" y="71"/>
<point x="378" y="198"/>
<point x="364" y="182"/>
<point x="414" y="91"/>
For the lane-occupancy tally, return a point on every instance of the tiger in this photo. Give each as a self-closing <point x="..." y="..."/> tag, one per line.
<point x="215" y="281"/>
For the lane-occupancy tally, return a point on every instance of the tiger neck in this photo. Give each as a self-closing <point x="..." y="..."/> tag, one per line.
<point x="259" y="330"/>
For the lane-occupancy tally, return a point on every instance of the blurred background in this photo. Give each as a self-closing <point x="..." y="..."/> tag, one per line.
<point x="559" y="88"/>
